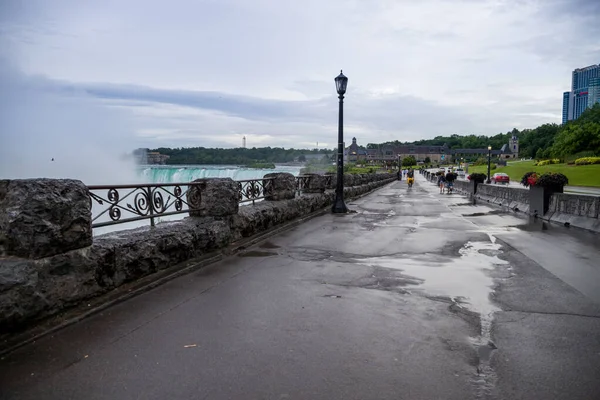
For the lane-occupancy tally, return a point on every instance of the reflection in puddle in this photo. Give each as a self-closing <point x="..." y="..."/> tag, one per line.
<point x="466" y="281"/>
<point x="464" y="276"/>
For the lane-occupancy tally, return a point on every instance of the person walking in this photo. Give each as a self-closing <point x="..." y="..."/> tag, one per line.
<point x="441" y="181"/>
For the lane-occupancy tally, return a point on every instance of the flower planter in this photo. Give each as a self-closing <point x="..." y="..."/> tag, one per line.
<point x="539" y="198"/>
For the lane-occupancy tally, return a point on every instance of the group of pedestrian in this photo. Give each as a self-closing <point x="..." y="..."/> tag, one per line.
<point x="446" y="180"/>
<point x="410" y="173"/>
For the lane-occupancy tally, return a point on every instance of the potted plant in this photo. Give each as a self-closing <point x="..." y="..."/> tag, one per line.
<point x="542" y="187"/>
<point x="554" y="181"/>
<point x="529" y="179"/>
<point x="475" y="179"/>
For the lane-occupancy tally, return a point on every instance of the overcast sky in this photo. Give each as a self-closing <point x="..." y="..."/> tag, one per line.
<point x="207" y="72"/>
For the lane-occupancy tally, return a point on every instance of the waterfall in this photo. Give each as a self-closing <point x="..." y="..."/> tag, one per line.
<point x="188" y="173"/>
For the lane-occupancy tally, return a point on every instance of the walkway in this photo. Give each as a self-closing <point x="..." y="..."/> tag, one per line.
<point x="391" y="302"/>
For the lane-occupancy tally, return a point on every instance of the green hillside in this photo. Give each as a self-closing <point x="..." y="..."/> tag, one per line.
<point x="579" y="175"/>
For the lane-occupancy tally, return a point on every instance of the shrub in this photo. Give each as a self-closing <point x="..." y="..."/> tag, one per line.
<point x="552" y="180"/>
<point x="587" y="161"/>
<point x="582" y="154"/>
<point x="529" y="179"/>
<point x="548" y="162"/>
<point x="493" y="166"/>
<point x="478" y="177"/>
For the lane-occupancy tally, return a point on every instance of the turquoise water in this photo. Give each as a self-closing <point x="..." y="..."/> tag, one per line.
<point x="188" y="173"/>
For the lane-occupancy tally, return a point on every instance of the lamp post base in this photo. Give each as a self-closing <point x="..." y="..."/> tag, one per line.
<point x="339" y="207"/>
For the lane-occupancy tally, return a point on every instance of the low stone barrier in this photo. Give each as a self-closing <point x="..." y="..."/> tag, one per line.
<point x="515" y="198"/>
<point x="572" y="209"/>
<point x="49" y="262"/>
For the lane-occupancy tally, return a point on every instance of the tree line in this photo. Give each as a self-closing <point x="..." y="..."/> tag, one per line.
<point x="577" y="137"/>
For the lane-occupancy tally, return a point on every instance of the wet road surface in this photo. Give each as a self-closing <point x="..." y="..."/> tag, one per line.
<point x="416" y="295"/>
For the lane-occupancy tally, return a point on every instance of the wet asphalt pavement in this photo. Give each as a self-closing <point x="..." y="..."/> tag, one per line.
<point x="416" y="295"/>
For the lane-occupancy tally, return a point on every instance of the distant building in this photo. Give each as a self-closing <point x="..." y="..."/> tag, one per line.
<point x="355" y="153"/>
<point x="567" y="110"/>
<point x="145" y="156"/>
<point x="437" y="154"/>
<point x="507" y="151"/>
<point x="583" y="80"/>
<point x="388" y="154"/>
<point x="594" y="92"/>
<point x="154" y="157"/>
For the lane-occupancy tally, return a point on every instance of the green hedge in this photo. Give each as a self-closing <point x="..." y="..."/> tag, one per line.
<point x="587" y="161"/>
<point x="547" y="162"/>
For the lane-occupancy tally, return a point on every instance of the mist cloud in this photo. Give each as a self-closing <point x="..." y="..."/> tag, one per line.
<point x="39" y="122"/>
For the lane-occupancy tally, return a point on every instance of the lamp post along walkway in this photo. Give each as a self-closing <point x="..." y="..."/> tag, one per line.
<point x="489" y="179"/>
<point x="339" y="206"/>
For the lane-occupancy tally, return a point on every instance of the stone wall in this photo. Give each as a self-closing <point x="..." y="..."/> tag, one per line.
<point x="515" y="198"/>
<point x="571" y="209"/>
<point x="54" y="275"/>
<point x="577" y="210"/>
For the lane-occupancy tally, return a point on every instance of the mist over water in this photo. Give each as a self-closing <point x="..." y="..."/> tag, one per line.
<point x="41" y="120"/>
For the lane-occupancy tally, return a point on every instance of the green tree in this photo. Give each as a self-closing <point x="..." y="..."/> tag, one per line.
<point x="575" y="138"/>
<point x="302" y="158"/>
<point x="539" y="154"/>
<point x="409" y="161"/>
<point x="427" y="160"/>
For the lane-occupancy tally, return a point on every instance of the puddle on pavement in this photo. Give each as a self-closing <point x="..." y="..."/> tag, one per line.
<point x="467" y="282"/>
<point x="465" y="276"/>
<point x="481" y="214"/>
<point x="256" y="253"/>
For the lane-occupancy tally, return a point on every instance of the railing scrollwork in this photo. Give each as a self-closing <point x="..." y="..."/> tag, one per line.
<point x="116" y="204"/>
<point x="254" y="189"/>
<point x="302" y="182"/>
<point x="138" y="202"/>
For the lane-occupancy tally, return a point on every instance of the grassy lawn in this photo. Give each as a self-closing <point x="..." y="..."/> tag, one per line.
<point x="582" y="175"/>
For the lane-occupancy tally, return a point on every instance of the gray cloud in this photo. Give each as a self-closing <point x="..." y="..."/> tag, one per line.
<point x="199" y="72"/>
<point x="394" y="113"/>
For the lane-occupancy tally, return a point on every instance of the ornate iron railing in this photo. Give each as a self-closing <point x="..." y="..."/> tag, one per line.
<point x="128" y="203"/>
<point x="145" y="201"/>
<point x="254" y="189"/>
<point x="302" y="182"/>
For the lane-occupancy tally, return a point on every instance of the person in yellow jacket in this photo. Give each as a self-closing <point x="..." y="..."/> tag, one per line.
<point x="411" y="177"/>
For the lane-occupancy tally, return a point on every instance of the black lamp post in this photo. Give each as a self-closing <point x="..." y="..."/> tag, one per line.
<point x="399" y="167"/>
<point x="339" y="206"/>
<point x="489" y="179"/>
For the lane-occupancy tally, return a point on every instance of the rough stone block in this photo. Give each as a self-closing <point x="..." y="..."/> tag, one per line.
<point x="43" y="217"/>
<point x="316" y="184"/>
<point x="348" y="180"/>
<point x="214" y="197"/>
<point x="283" y="186"/>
